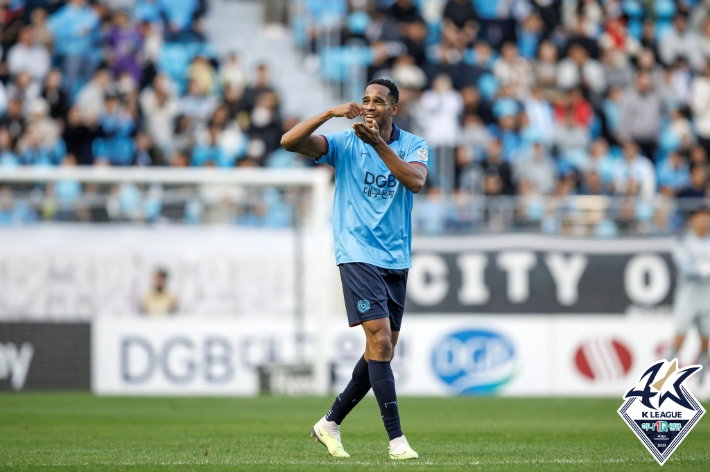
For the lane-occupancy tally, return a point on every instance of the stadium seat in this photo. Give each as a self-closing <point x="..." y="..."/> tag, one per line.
<point x="336" y="63"/>
<point x="179" y="12"/>
<point x="664" y="9"/>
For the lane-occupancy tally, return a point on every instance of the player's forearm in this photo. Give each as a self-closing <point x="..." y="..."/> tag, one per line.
<point x="405" y="173"/>
<point x="296" y="139"/>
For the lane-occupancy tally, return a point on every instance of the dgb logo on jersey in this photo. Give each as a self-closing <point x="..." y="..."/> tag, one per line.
<point x="660" y="410"/>
<point x="380" y="180"/>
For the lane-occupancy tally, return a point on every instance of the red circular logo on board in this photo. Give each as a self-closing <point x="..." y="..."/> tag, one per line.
<point x="604" y="360"/>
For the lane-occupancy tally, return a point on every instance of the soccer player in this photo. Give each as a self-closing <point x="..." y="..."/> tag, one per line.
<point x="378" y="168"/>
<point x="692" y="297"/>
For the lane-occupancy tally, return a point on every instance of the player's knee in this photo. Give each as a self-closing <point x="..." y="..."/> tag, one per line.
<point x="381" y="343"/>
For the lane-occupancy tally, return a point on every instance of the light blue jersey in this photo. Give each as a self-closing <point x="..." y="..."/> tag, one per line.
<point x="372" y="211"/>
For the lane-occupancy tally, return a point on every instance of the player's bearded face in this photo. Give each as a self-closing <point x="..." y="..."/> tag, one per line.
<point x="377" y="106"/>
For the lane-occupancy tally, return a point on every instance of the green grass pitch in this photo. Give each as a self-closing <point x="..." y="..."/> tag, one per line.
<point x="81" y="432"/>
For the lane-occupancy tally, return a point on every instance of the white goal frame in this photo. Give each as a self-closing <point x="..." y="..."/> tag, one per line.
<point x="317" y="180"/>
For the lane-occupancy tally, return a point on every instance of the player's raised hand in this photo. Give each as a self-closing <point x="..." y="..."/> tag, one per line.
<point x="368" y="135"/>
<point x="348" y="110"/>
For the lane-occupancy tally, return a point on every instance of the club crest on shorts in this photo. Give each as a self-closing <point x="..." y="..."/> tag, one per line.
<point x="660" y="410"/>
<point x="423" y="154"/>
<point x="363" y="306"/>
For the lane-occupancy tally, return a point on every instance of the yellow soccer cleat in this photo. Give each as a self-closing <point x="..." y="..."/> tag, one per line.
<point x="328" y="434"/>
<point x="400" y="450"/>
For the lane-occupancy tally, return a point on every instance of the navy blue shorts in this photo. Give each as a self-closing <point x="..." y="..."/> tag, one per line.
<point x="372" y="293"/>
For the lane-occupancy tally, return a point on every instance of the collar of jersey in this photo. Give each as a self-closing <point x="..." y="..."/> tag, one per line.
<point x="395" y="134"/>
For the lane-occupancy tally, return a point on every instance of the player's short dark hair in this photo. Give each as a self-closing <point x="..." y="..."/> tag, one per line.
<point x="394" y="91"/>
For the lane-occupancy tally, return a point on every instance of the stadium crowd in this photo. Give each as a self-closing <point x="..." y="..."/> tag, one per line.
<point x="544" y="97"/>
<point x="127" y="82"/>
<point x="527" y="98"/>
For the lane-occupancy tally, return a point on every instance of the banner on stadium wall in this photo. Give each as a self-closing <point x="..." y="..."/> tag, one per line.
<point x="44" y="356"/>
<point x="183" y="356"/>
<point x="438" y="355"/>
<point x="516" y="355"/>
<point x="79" y="272"/>
<point x="540" y="274"/>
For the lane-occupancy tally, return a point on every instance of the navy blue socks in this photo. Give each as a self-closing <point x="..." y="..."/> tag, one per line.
<point x="382" y="381"/>
<point x="355" y="391"/>
<point x="378" y="376"/>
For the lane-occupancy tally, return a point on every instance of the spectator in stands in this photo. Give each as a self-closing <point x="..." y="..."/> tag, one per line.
<point x="266" y="121"/>
<point x="617" y="70"/>
<point x="593" y="184"/>
<point x="34" y="150"/>
<point x="123" y="44"/>
<point x="75" y="31"/>
<point x="79" y="134"/>
<point x="513" y="70"/>
<point x="197" y="104"/>
<point x="530" y="32"/>
<point x="634" y="174"/>
<point x="405" y="11"/>
<point x="537" y="167"/>
<point x="600" y="162"/>
<point x="90" y="100"/>
<point x="698" y="187"/>
<point x="182" y="19"/>
<point x="209" y="153"/>
<point x="29" y="57"/>
<point x="545" y="68"/>
<point x="680" y="41"/>
<point x="232" y="74"/>
<point x="202" y="72"/>
<point x="432" y="214"/>
<point x="579" y="70"/>
<point x="160" y="107"/>
<point x="40" y="29"/>
<point x="55" y="96"/>
<point x="568" y="135"/>
<point x="13" y="120"/>
<point x="147" y="153"/>
<point x="673" y="172"/>
<point x="460" y="26"/>
<point x="25" y="89"/>
<point x="540" y="113"/>
<point x="441" y="109"/>
<point x="115" y="145"/>
<point x="498" y="178"/>
<point x="640" y="118"/>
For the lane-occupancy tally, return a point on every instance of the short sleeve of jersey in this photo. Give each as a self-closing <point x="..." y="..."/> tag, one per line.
<point x="335" y="143"/>
<point x="418" y="152"/>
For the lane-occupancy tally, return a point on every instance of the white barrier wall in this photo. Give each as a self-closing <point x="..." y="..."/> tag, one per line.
<point x="183" y="356"/>
<point x="81" y="272"/>
<point x="518" y="355"/>
<point x="437" y="355"/>
<point x="508" y="315"/>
